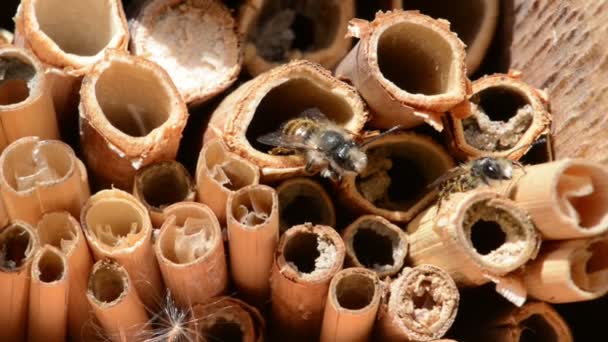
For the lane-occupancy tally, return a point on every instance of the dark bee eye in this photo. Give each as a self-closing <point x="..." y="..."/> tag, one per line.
<point x="491" y="170"/>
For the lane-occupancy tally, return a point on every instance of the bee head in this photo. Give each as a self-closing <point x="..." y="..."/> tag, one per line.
<point x="350" y="157"/>
<point x="494" y="168"/>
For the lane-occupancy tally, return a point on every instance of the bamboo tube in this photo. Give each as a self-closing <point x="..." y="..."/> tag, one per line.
<point x="352" y="304"/>
<point x="123" y="130"/>
<point x="473" y="21"/>
<point x="161" y="184"/>
<point x="253" y="234"/>
<point x="304" y="200"/>
<point x="421" y="306"/>
<point x="26" y="106"/>
<point x="395" y="183"/>
<point x="39" y="176"/>
<point x="569" y="271"/>
<point x="409" y="68"/>
<point x="190" y="253"/>
<point x="280" y="31"/>
<point x="220" y="173"/>
<point x="477" y="237"/>
<point x="306" y="259"/>
<point x="115" y="302"/>
<point x="535" y="321"/>
<point x="227" y="319"/>
<point x="507" y="116"/>
<point x="567" y="199"/>
<point x="18" y="244"/>
<point x="259" y="107"/>
<point x="62" y="231"/>
<point x="49" y="288"/>
<point x="117" y="226"/>
<point x="195" y="41"/>
<point x="367" y="9"/>
<point x="374" y="243"/>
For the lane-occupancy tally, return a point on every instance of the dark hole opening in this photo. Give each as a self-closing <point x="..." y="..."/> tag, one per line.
<point x="51" y="267"/>
<point x="224" y="330"/>
<point x="13" y="92"/>
<point x="408" y="182"/>
<point x="536" y="328"/>
<point x="302" y="250"/>
<point x="424" y="300"/>
<point x="300" y="210"/>
<point x="487" y="236"/>
<point x="355" y="291"/>
<point x="367" y="9"/>
<point x="599" y="257"/>
<point x="108" y="285"/>
<point x="13" y="247"/>
<point x="499" y="103"/>
<point x="373" y="249"/>
<point x="304" y="28"/>
<point x="164" y="186"/>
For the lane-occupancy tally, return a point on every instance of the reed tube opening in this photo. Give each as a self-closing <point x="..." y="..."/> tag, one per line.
<point x="117" y="229"/>
<point x="108" y="282"/>
<point x="252" y="208"/>
<point x="17" y="81"/>
<point x="302" y="200"/>
<point x="79" y="27"/>
<point x="227" y="319"/>
<point x="536" y="328"/>
<point x="589" y="267"/>
<point x="134" y="113"/>
<point x="223" y="329"/>
<point x="310" y="254"/>
<point x="355" y="291"/>
<point x="16" y="246"/>
<point x="581" y="196"/>
<point x="50" y="266"/>
<point x="231" y="173"/>
<point x="416" y="59"/>
<point x="58" y="230"/>
<point x="283" y="26"/>
<point x="164" y="183"/>
<point x="193" y="239"/>
<point x="373" y="250"/>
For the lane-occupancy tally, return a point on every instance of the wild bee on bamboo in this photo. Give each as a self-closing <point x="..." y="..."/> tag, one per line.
<point x="328" y="148"/>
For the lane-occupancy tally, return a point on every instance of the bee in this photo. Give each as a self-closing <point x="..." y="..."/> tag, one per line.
<point x="327" y="148"/>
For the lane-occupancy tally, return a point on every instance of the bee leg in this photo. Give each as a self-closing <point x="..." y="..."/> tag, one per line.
<point x="280" y="151"/>
<point x="315" y="163"/>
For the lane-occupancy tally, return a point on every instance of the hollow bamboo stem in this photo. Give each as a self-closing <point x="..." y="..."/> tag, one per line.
<point x="409" y="67"/>
<point x="161" y="184"/>
<point x="277" y="32"/>
<point x="261" y="105"/>
<point x="205" y="56"/>
<point x="306" y="259"/>
<point x="190" y="253"/>
<point x="220" y="173"/>
<point x="18" y="245"/>
<point x="304" y="200"/>
<point x="253" y="235"/>
<point x="507" y="116"/>
<point x="395" y="183"/>
<point x="374" y="243"/>
<point x="226" y="319"/>
<point x="26" y="105"/>
<point x="49" y="288"/>
<point x="352" y="305"/>
<point x="115" y="302"/>
<point x="62" y="231"/>
<point x="40" y="176"/>
<point x="421" y="305"/>
<point x="122" y="130"/>
<point x="117" y="226"/>
<point x="476" y="237"/>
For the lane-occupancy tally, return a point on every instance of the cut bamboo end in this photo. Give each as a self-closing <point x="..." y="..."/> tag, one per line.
<point x="161" y="184"/>
<point x="306" y="260"/>
<point x="117" y="226"/>
<point x="476" y="237"/>
<point x="115" y="302"/>
<point x="366" y="9"/>
<point x="259" y="107"/>
<point x="220" y="173"/>
<point x="227" y="319"/>
<point x="195" y="41"/>
<point x="18" y="245"/>
<point x="506" y="117"/>
<point x="39" y="176"/>
<point x="569" y="271"/>
<point x="352" y="304"/>
<point x="304" y="200"/>
<point x="567" y="199"/>
<point x="277" y="32"/>
<point x="253" y="236"/>
<point x="62" y="231"/>
<point x="122" y="130"/>
<point x="190" y="253"/>
<point x="49" y="288"/>
<point x="535" y="321"/>
<point x="421" y="305"/>
<point x="395" y="183"/>
<point x="26" y="105"/>
<point x="72" y="34"/>
<point x="410" y="68"/>
<point x="473" y="21"/>
<point x="374" y="243"/>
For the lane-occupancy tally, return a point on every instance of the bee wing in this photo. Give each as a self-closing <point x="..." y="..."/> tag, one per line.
<point x="452" y="173"/>
<point x="278" y="139"/>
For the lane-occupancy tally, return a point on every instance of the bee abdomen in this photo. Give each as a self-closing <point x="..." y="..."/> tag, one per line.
<point x="302" y="127"/>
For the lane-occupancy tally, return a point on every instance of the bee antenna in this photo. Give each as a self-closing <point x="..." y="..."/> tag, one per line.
<point x="385" y="133"/>
<point x="538" y="141"/>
